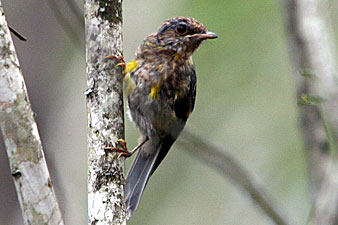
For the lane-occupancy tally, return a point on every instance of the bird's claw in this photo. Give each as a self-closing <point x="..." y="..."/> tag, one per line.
<point x="118" y="58"/>
<point x="123" y="151"/>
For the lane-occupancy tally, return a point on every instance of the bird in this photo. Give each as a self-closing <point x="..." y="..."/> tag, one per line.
<point x="160" y="85"/>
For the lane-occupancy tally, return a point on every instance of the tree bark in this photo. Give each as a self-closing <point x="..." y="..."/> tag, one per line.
<point x="21" y="137"/>
<point x="103" y="24"/>
<point x="312" y="48"/>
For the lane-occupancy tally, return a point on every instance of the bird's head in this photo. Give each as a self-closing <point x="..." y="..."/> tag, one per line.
<point x="179" y="35"/>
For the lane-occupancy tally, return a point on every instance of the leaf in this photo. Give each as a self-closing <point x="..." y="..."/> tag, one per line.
<point x="306" y="73"/>
<point x="309" y="100"/>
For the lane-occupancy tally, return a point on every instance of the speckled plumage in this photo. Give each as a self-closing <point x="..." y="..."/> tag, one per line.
<point x="161" y="90"/>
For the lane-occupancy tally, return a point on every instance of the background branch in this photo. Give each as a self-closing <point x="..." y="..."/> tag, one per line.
<point x="229" y="167"/>
<point x="312" y="49"/>
<point x="75" y="34"/>
<point x="103" y="24"/>
<point x="76" y="12"/>
<point x="21" y="137"/>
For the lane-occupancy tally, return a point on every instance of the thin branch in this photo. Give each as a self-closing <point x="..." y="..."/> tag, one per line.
<point x="77" y="12"/>
<point x="230" y="168"/>
<point x="312" y="49"/>
<point x="322" y="211"/>
<point x="17" y="34"/>
<point x="103" y="23"/>
<point x="73" y="34"/>
<point x="310" y="117"/>
<point x="21" y="137"/>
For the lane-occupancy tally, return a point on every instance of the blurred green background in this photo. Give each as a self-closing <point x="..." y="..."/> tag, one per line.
<point x="246" y="103"/>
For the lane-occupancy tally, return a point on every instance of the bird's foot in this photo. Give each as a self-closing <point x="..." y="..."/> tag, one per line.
<point x="123" y="151"/>
<point x="118" y="58"/>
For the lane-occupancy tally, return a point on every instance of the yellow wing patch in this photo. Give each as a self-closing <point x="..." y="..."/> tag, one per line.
<point x="129" y="82"/>
<point x="159" y="68"/>
<point x="177" y="56"/>
<point x="155" y="92"/>
<point x="131" y="66"/>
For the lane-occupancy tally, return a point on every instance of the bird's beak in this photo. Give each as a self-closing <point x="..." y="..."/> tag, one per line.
<point x="208" y="35"/>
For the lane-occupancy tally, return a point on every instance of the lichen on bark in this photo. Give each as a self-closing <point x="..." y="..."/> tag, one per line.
<point x="103" y="23"/>
<point x="22" y="141"/>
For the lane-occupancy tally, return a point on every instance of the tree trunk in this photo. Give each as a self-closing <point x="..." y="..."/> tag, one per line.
<point x="103" y="24"/>
<point x="21" y="137"/>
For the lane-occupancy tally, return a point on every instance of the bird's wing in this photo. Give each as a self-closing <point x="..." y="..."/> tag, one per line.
<point x="151" y="155"/>
<point x="184" y="105"/>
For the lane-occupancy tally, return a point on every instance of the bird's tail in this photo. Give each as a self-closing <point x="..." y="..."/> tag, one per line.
<point x="147" y="160"/>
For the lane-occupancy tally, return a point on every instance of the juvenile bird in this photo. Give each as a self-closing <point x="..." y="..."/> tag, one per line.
<point x="161" y="88"/>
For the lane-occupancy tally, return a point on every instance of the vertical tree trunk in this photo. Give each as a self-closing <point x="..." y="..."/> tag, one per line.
<point x="313" y="53"/>
<point x="103" y="23"/>
<point x="21" y="136"/>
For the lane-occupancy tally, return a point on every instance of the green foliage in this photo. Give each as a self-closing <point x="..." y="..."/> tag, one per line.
<point x="306" y="99"/>
<point x="306" y="73"/>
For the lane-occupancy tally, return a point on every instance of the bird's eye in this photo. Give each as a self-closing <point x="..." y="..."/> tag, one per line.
<point x="182" y="29"/>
